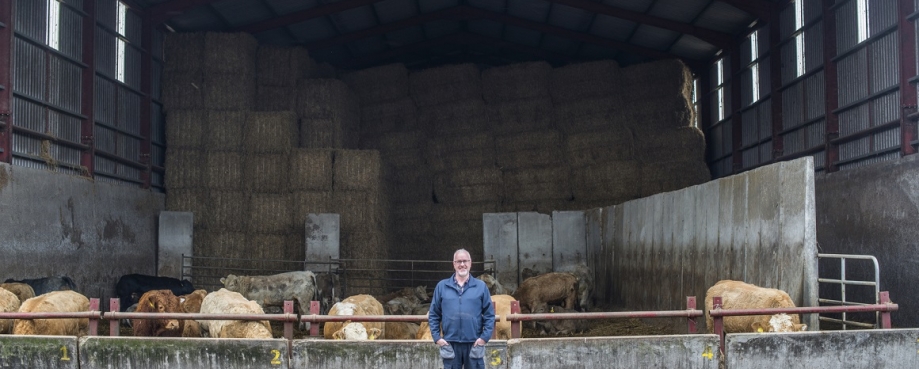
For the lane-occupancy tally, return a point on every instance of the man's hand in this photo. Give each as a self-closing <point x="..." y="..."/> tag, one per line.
<point x="441" y="342"/>
<point x="479" y="342"/>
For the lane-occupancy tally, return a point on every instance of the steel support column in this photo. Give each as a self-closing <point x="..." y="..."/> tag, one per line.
<point x="736" y="117"/>
<point x="775" y="82"/>
<point x="907" y="34"/>
<point x="6" y="79"/>
<point x="146" y="68"/>
<point x="831" y="86"/>
<point x="88" y="79"/>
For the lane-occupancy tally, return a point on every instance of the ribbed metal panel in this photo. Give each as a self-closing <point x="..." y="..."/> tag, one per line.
<point x="723" y="17"/>
<point x="750" y="127"/>
<point x="105" y="53"/>
<point x="745" y="52"/>
<point x="128" y="111"/>
<point x="66" y="84"/>
<point x="793" y="106"/>
<point x="64" y="154"/>
<point x="727" y="134"/>
<point x="65" y="127"/>
<point x="765" y="73"/>
<point x="813" y="9"/>
<point x="746" y="87"/>
<point x="71" y="35"/>
<point x="881" y="14"/>
<point x="157" y="155"/>
<point x="728" y="106"/>
<point x="846" y="27"/>
<point x="813" y="46"/>
<point x="28" y="115"/>
<point x="653" y="37"/>
<point x="133" y="28"/>
<point x="156" y="71"/>
<point x="713" y="139"/>
<point x="750" y="157"/>
<point x="764" y="117"/>
<point x="30" y="65"/>
<point x="887" y="139"/>
<point x="884" y="56"/>
<point x="157" y="124"/>
<point x="721" y="168"/>
<point x="132" y="67"/>
<point x="815" y="96"/>
<point x="29" y="18"/>
<point x="76" y="4"/>
<point x="104" y="101"/>
<point x="816" y="134"/>
<point x="852" y="79"/>
<point x="614" y="28"/>
<point x="571" y="18"/>
<point x="853" y="120"/>
<point x="26" y="163"/>
<point x="793" y="141"/>
<point x="106" y="12"/>
<point x="787" y="21"/>
<point x="820" y="160"/>
<point x="789" y="62"/>
<point x="765" y="152"/>
<point x="103" y="165"/>
<point x="886" y="109"/>
<point x="534" y="10"/>
<point x="105" y="139"/>
<point x="156" y="49"/>
<point x="26" y="145"/>
<point x="854" y="149"/>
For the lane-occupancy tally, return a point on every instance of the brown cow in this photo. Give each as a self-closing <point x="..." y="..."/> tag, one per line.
<point x="158" y="301"/>
<point x="560" y="327"/>
<point x="54" y="302"/>
<point x="547" y="288"/>
<point x="355" y="305"/>
<point x="9" y="303"/>
<point x="502" y="305"/>
<point x="21" y="290"/>
<point x="740" y="295"/>
<point x="191" y="303"/>
<point x="400" y="330"/>
<point x="494" y="287"/>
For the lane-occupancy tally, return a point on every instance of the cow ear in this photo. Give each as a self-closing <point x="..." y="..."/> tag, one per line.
<point x="223" y="281"/>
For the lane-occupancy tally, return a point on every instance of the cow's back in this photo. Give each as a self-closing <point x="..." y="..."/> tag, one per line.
<point x="9" y="303"/>
<point x="546" y="288"/>
<point x="502" y="304"/>
<point x="741" y="295"/>
<point x="54" y="301"/>
<point x="273" y="290"/>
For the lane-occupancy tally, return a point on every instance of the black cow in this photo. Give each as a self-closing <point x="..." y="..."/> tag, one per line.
<point x="131" y="287"/>
<point x="44" y="285"/>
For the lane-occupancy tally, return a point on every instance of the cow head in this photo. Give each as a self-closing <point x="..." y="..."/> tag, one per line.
<point x="231" y="282"/>
<point x="351" y="331"/>
<point x="779" y="323"/>
<point x="421" y="292"/>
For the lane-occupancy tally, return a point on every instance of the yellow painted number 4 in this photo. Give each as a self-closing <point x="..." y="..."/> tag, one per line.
<point x="277" y="357"/>
<point x="64" y="356"/>
<point x="708" y="353"/>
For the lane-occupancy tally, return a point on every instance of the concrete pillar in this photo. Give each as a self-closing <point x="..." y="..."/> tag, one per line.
<point x="176" y="230"/>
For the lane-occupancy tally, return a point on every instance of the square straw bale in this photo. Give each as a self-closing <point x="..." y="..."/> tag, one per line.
<point x="588" y="115"/>
<point x="310" y="170"/>
<point x="674" y="175"/>
<point x="224" y="91"/>
<point x="520" y="116"/>
<point x="183" y="90"/>
<point x="183" y="52"/>
<point x="326" y="98"/>
<point x="462" y="143"/>
<point x="443" y="85"/>
<point x="276" y="246"/>
<point x="644" y="119"/>
<point x="185" y="128"/>
<point x="275" y="98"/>
<point x="461" y="212"/>
<point x="395" y="141"/>
<point x="271" y="213"/>
<point x="323" y="71"/>
<point x="529" y="158"/>
<point x="686" y="143"/>
<point x="411" y="185"/>
<point x="417" y="211"/>
<point x="615" y="180"/>
<point x="665" y="82"/>
<point x="468" y="177"/>
<point x="228" y="210"/>
<point x="330" y="133"/>
<point x="265" y="173"/>
<point x="379" y="84"/>
<point x="360" y="210"/>
<point x="522" y="81"/>
<point x="518" y="179"/>
<point x="223" y="171"/>
<point x="225" y="130"/>
<point x="357" y="170"/>
<point x="282" y="65"/>
<point x="395" y="115"/>
<point x="455" y="118"/>
<point x="304" y="203"/>
<point x="403" y="158"/>
<point x="490" y="192"/>
<point x="542" y="139"/>
<point x="183" y="168"/>
<point x="220" y="244"/>
<point x="270" y="132"/>
<point x="590" y="80"/>
<point x="192" y="200"/>
<point x="540" y="192"/>
<point x="230" y="53"/>
<point x="583" y="149"/>
<point x="480" y="158"/>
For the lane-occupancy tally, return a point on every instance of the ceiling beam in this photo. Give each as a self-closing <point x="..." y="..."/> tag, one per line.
<point x="163" y="11"/>
<point x="378" y="58"/>
<point x="304" y="15"/>
<point x="471" y="38"/>
<point x="760" y="9"/>
<point x="719" y="39"/>
<point x="448" y="13"/>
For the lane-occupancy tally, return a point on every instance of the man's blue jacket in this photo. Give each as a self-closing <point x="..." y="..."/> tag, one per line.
<point x="465" y="315"/>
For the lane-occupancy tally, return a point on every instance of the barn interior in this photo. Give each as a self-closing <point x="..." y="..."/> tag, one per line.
<point x="411" y="119"/>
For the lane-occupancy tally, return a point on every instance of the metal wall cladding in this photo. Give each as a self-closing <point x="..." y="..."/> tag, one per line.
<point x="888" y="139"/>
<point x="846" y="27"/>
<point x="881" y="15"/>
<point x="105" y="57"/>
<point x="854" y="149"/>
<point x="107" y="12"/>
<point x="813" y="46"/>
<point x="820" y="160"/>
<point x="129" y="112"/>
<point x="133" y="60"/>
<point x="787" y="21"/>
<point x="26" y="145"/>
<point x="65" y="87"/>
<point x="28" y="115"/>
<point x="71" y="32"/>
<point x="814" y="96"/>
<point x="852" y="77"/>
<point x="809" y="136"/>
<point x="886" y="109"/>
<point x="813" y="9"/>
<point x="133" y="28"/>
<point x="66" y="154"/>
<point x="157" y="155"/>
<point x="156" y="48"/>
<point x="104" y="107"/>
<point x="883" y="57"/>
<point x="30" y="63"/>
<point x="117" y="143"/>
<point x="64" y="126"/>
<point x="757" y="123"/>
<point x="789" y="56"/>
<point x="29" y="19"/>
<point x="157" y="124"/>
<point x="853" y="120"/>
<point x="722" y="168"/>
<point x="871" y="160"/>
<point x="156" y="75"/>
<point x="750" y="157"/>
<point x="793" y="106"/>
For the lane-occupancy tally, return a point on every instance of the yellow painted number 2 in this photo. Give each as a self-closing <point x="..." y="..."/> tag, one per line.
<point x="708" y="353"/>
<point x="277" y="357"/>
<point x="64" y="356"/>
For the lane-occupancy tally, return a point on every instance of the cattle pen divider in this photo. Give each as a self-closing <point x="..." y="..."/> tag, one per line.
<point x="885" y="306"/>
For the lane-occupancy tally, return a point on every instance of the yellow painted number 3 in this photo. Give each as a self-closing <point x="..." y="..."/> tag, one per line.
<point x="277" y="357"/>
<point x="64" y="356"/>
<point x="708" y="353"/>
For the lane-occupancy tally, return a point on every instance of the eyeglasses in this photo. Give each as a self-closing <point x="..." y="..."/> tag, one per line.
<point x="462" y="261"/>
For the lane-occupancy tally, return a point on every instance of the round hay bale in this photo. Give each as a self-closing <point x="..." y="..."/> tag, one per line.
<point x="183" y="90"/>
<point x="223" y="171"/>
<point x="266" y="173"/>
<point x="520" y="116"/>
<point x="516" y="82"/>
<point x="229" y="91"/>
<point x="357" y="170"/>
<point x="590" y="80"/>
<point x="230" y="53"/>
<point x="185" y="128"/>
<point x="184" y="52"/>
<point x="396" y="115"/>
<point x="224" y="130"/>
<point x="270" y="132"/>
<point x="271" y="214"/>
<point x="310" y="170"/>
<point x="282" y="66"/>
<point x="379" y="84"/>
<point x="447" y="84"/>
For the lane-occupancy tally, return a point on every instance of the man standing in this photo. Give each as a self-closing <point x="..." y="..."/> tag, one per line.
<point x="463" y="306"/>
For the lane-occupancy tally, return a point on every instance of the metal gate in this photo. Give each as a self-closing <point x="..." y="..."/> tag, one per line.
<point x="842" y="281"/>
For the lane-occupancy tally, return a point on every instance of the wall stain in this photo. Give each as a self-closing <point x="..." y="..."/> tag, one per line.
<point x="115" y="228"/>
<point x="69" y="229"/>
<point x="4" y="177"/>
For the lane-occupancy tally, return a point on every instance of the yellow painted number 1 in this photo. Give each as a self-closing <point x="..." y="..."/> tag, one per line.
<point x="708" y="353"/>
<point x="64" y="356"/>
<point x="277" y="357"/>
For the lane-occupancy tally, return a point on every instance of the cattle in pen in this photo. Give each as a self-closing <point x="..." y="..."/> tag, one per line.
<point x="545" y="289"/>
<point x="356" y="306"/>
<point x="273" y="290"/>
<point x="9" y="303"/>
<point x="224" y="301"/>
<point x="54" y="302"/>
<point x="158" y="301"/>
<point x="741" y="295"/>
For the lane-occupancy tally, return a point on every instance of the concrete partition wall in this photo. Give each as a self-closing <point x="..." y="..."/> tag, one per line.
<point x="395" y="354"/>
<point x="176" y="232"/>
<point x="182" y="353"/>
<point x="38" y="352"/>
<point x="880" y="348"/>
<point x="757" y="227"/>
<point x="323" y="235"/>
<point x="686" y="351"/>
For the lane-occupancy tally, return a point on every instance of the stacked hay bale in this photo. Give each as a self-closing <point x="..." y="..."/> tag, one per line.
<point x="329" y="114"/>
<point x="278" y="70"/>
<point x="529" y="148"/>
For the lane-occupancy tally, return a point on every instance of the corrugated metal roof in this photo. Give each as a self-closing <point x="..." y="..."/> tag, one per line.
<point x="502" y="31"/>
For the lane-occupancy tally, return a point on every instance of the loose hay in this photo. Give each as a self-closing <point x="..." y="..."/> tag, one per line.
<point x="590" y="80"/>
<point x="516" y="82"/>
<point x="184" y="52"/>
<point x="379" y="84"/>
<point x="226" y="91"/>
<point x="185" y="129"/>
<point x="223" y="171"/>
<point x="520" y="116"/>
<point x="282" y="66"/>
<point x="230" y="53"/>
<point x="310" y="170"/>
<point x="443" y="85"/>
<point x="357" y="170"/>
<point x="266" y="173"/>
<point x="224" y="130"/>
<point x="271" y="214"/>
<point x="270" y="132"/>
